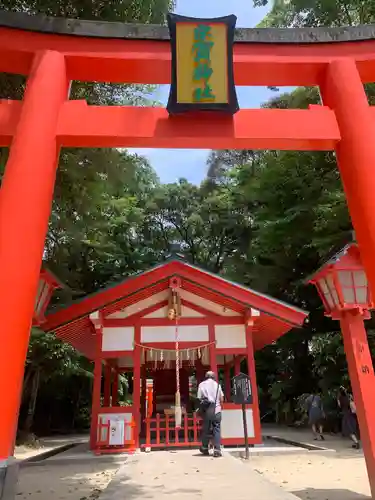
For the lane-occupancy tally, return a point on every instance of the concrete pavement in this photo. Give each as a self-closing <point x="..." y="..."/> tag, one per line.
<point x="187" y="475"/>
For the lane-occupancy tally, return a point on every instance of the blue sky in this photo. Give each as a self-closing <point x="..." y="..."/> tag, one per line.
<point x="171" y="164"/>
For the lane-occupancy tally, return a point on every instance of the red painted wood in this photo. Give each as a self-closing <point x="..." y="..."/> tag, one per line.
<point x="136" y="384"/>
<point x="124" y="126"/>
<point x="355" y="153"/>
<point x="270" y="327"/>
<point x="111" y="297"/>
<point x="149" y="61"/>
<point x="240" y="294"/>
<point x="361" y="373"/>
<point x="96" y="391"/>
<point x="103" y="446"/>
<point x="157" y="429"/>
<point x="167" y="442"/>
<point x="26" y="188"/>
<point x="116" y="409"/>
<point x="219" y="320"/>
<point x="233" y="406"/>
<point x="143" y="390"/>
<point x="186" y="430"/>
<point x="171" y="345"/>
<point x="207" y="282"/>
<point x="160" y="428"/>
<point x="253" y="378"/>
<point x="195" y="426"/>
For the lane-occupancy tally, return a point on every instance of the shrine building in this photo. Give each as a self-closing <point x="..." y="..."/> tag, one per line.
<point x="163" y="329"/>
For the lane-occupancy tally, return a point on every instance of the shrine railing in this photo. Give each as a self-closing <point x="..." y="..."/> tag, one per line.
<point x="161" y="431"/>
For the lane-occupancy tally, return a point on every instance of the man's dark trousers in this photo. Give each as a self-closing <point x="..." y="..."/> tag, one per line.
<point x="215" y="424"/>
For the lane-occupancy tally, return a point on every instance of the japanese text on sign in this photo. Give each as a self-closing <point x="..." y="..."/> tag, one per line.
<point x="242" y="393"/>
<point x="362" y="354"/>
<point x="202" y="63"/>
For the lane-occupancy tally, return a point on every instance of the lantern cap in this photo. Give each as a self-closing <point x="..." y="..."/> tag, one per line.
<point x="333" y="257"/>
<point x="342" y="284"/>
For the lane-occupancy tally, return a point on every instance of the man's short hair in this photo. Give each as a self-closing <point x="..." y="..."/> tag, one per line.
<point x="210" y="374"/>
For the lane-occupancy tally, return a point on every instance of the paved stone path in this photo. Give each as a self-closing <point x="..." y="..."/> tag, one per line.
<point x="187" y="475"/>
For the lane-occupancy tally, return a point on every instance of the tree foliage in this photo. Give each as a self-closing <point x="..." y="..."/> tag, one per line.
<point x="312" y="13"/>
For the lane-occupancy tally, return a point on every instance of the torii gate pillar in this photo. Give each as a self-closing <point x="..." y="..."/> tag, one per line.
<point x="25" y="205"/>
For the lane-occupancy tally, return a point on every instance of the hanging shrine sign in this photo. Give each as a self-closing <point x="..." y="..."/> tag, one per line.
<point x="202" y="65"/>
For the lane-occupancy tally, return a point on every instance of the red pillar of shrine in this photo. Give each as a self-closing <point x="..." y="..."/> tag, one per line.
<point x="362" y="380"/>
<point x="25" y="203"/>
<point x="343" y="92"/>
<point x="137" y="359"/>
<point x="97" y="388"/>
<point x="143" y="389"/>
<point x="253" y="379"/>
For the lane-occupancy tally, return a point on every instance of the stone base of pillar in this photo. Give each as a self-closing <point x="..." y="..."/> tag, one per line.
<point x="8" y="479"/>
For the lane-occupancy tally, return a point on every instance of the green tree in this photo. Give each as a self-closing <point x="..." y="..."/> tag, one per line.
<point x="206" y="221"/>
<point x="48" y="358"/>
<point x="312" y="13"/>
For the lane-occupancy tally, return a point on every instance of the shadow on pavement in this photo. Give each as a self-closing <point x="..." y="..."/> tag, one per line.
<point x="334" y="494"/>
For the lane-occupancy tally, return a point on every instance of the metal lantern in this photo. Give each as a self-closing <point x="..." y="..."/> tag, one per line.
<point x="342" y="282"/>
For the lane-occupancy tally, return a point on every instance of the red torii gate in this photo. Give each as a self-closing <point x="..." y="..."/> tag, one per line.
<point x="46" y="120"/>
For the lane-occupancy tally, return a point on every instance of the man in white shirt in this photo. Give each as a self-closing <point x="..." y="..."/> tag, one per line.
<point x="210" y="395"/>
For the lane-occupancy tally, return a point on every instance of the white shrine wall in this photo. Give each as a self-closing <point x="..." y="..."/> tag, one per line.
<point x="121" y="338"/>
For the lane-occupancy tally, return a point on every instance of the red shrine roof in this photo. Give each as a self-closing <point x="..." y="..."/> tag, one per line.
<point x="199" y="289"/>
<point x="48" y="283"/>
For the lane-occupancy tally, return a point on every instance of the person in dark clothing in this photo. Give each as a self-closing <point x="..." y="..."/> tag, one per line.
<point x="210" y="395"/>
<point x="349" y="425"/>
<point x="315" y="411"/>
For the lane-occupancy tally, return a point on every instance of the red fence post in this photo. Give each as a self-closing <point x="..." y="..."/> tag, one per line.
<point x="157" y="429"/>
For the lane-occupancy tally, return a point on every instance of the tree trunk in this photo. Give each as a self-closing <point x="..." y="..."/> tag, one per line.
<point x="32" y="401"/>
